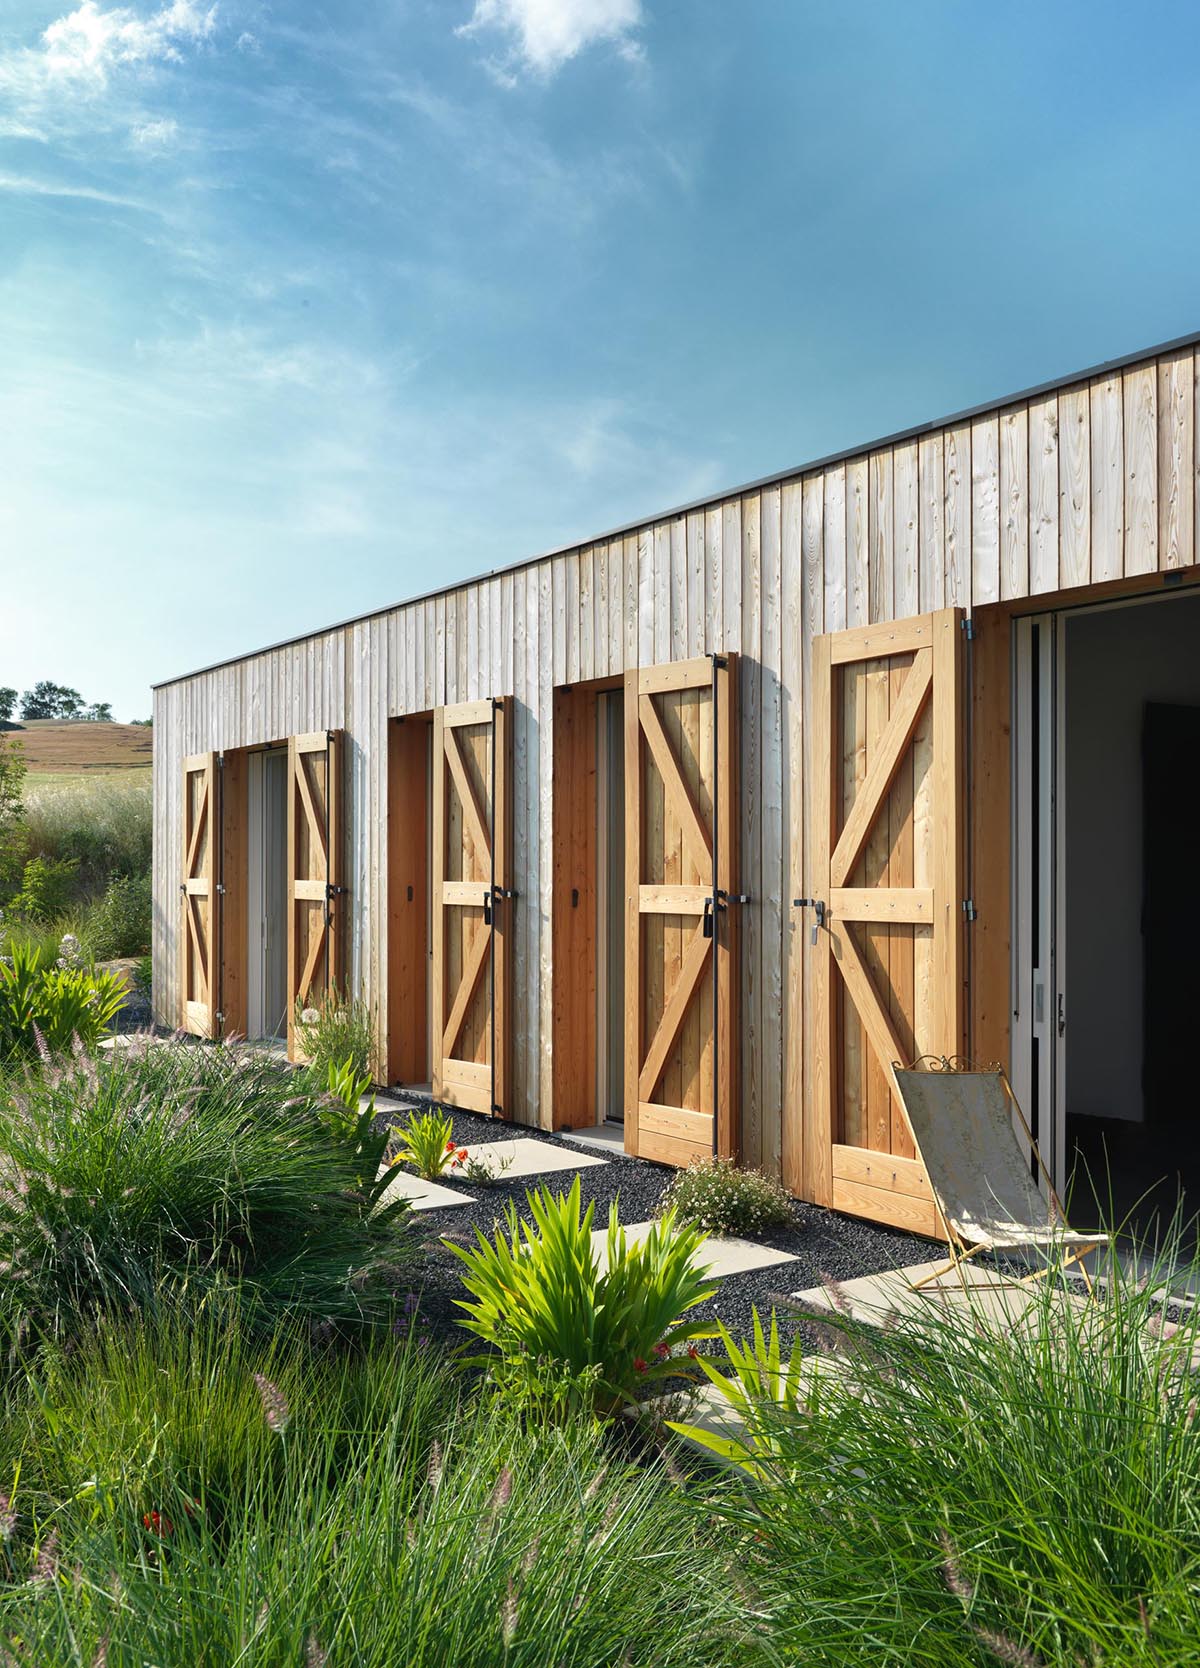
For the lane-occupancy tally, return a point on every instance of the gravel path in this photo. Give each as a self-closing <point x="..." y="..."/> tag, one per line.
<point x="823" y="1242"/>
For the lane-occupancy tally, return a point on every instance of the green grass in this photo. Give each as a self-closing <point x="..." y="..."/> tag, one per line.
<point x="395" y="1519"/>
<point x="963" y="1495"/>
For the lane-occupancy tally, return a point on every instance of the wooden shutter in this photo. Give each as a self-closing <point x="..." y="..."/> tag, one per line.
<point x="317" y="915"/>
<point x="681" y="1033"/>
<point x="888" y="870"/>
<point x="200" y="935"/>
<point x="472" y="907"/>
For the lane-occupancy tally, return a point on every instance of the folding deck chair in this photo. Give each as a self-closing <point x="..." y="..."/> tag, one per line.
<point x="961" y="1118"/>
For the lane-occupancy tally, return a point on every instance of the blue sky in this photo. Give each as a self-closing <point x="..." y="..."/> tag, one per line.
<point x="308" y="308"/>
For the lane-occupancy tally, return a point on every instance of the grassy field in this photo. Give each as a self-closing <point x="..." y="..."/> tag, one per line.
<point x="58" y="749"/>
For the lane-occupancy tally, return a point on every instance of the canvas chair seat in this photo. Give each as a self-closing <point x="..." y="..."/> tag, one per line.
<point x="980" y="1173"/>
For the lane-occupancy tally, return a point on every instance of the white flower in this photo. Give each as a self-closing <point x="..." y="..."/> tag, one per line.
<point x="310" y="1016"/>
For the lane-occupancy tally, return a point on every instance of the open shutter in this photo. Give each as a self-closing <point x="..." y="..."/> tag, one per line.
<point x="200" y="934"/>
<point x="887" y="866"/>
<point x="472" y="907"/>
<point x="317" y="915"/>
<point x="681" y="1032"/>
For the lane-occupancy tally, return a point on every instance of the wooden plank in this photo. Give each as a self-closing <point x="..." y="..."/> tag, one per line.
<point x="909" y="904"/>
<point x="907" y="510"/>
<point x="407" y="902"/>
<point x="896" y="1210"/>
<point x="876" y="1169"/>
<point x="991" y="858"/>
<point x="472" y="893"/>
<point x="750" y="683"/>
<point x="881" y="543"/>
<point x="677" y="1123"/>
<point x="1043" y="495"/>
<point x="669" y="1149"/>
<point x="857" y="547"/>
<point x="876" y="1021"/>
<point x="821" y="1083"/>
<point x="794" y="772"/>
<point x="874" y="642"/>
<point x="1014" y="503"/>
<point x="673" y="900"/>
<point x="475" y="962"/>
<point x="948" y="833"/>
<point x="438" y="946"/>
<point x="692" y="965"/>
<point x="956" y="445"/>
<point x="769" y="887"/>
<point x="633" y="918"/>
<point x="985" y="511"/>
<point x="931" y="525"/>
<point x="695" y="673"/>
<point x="679" y="795"/>
<point x="727" y="1019"/>
<point x="1176" y="462"/>
<point x="835" y="548"/>
<point x="1107" y="478"/>
<point x="1074" y="486"/>
<point x="905" y="714"/>
<point x="463" y="713"/>
<point x="1141" y="469"/>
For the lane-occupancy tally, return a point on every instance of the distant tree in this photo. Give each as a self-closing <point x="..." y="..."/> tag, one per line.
<point x="8" y="700"/>
<point x="51" y="700"/>
<point x="145" y="723"/>
<point x="100" y="712"/>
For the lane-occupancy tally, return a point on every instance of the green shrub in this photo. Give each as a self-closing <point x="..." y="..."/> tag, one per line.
<point x="1000" y="1491"/>
<point x="47" y="884"/>
<point x="104" y="826"/>
<point x="567" y="1331"/>
<point x="336" y="1032"/>
<point x="118" y="922"/>
<point x="48" y="1008"/>
<point x="182" y="1168"/>
<point x="426" y="1142"/>
<point x="143" y="976"/>
<point x="385" y="1521"/>
<point x="717" y="1197"/>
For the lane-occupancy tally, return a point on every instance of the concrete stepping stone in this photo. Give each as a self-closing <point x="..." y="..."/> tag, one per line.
<point x="871" y="1298"/>
<point x="526" y="1156"/>
<point x="722" y="1254"/>
<point x="421" y="1194"/>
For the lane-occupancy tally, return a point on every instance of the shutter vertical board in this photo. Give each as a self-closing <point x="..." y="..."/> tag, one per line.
<point x="473" y="919"/>
<point x="681" y="1029"/>
<point x="888" y="840"/>
<point x="200" y="899"/>
<point x="318" y="918"/>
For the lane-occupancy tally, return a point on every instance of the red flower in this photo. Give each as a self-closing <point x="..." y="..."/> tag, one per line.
<point x="157" y="1524"/>
<point x="639" y="1366"/>
<point x="662" y="1350"/>
<point x="693" y="1352"/>
<point x="450" y="1145"/>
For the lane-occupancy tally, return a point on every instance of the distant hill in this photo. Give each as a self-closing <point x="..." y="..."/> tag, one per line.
<point x="72" y="747"/>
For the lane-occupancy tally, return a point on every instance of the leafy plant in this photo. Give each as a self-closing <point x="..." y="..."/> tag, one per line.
<point x="482" y="1172"/>
<point x="717" y="1197"/>
<point x="547" y="1306"/>
<point x="49" y="1008"/>
<point x="336" y="1031"/>
<point x="427" y="1142"/>
<point x="181" y="1169"/>
<point x="46" y="887"/>
<point x="118" y="922"/>
<point x="761" y="1386"/>
<point x="143" y="976"/>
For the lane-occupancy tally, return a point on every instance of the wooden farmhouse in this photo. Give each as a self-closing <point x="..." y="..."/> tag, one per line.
<point x="702" y="824"/>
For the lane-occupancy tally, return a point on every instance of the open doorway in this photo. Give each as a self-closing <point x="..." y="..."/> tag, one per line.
<point x="409" y="930"/>
<point x="266" y="894"/>
<point x="1106" y="797"/>
<point x="589" y="908"/>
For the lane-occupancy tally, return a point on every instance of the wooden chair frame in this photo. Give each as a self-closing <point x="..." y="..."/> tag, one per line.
<point x="961" y="1252"/>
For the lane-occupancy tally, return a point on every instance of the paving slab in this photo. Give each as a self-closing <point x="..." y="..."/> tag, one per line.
<point x="721" y="1254"/>
<point x="421" y="1194"/>
<point x="872" y="1298"/>
<point x="526" y="1156"/>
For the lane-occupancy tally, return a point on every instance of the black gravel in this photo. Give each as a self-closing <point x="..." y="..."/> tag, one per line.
<point x="824" y="1243"/>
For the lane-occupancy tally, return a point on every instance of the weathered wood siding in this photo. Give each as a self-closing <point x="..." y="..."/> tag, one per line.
<point x="1094" y="481"/>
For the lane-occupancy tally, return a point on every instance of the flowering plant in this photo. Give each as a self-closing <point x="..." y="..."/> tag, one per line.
<point x="427" y="1143"/>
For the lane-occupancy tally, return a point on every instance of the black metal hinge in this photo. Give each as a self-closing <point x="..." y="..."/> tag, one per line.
<point x="968" y="625"/>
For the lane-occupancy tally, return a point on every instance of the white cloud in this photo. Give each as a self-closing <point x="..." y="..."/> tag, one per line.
<point x="544" y="34"/>
<point x="88" y="42"/>
<point x="159" y="135"/>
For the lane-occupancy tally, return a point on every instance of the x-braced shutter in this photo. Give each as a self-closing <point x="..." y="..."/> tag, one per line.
<point x="317" y="913"/>
<point x="472" y="907"/>
<point x="200" y="897"/>
<point x="681" y="1026"/>
<point x="887" y="868"/>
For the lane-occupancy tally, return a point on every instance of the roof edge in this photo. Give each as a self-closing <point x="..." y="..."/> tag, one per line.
<point x="1054" y="385"/>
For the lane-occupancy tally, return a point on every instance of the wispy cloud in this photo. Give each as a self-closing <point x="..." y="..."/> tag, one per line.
<point x="88" y="43"/>
<point x="22" y="186"/>
<point x="158" y="135"/>
<point x="542" y="35"/>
